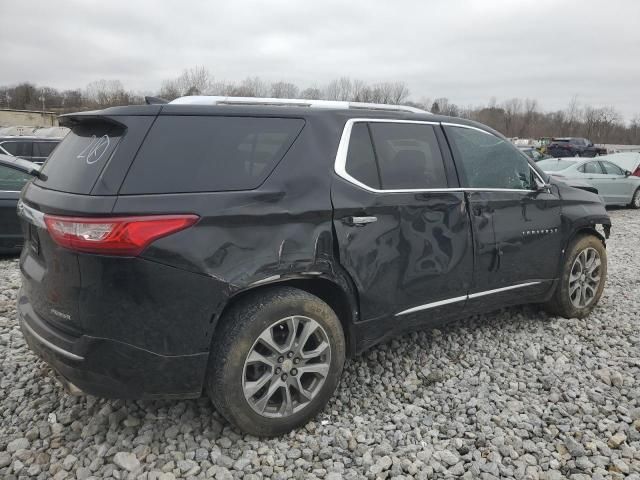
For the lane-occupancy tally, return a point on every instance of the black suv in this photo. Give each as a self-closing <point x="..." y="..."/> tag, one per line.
<point x="574" y="147"/>
<point x="247" y="250"/>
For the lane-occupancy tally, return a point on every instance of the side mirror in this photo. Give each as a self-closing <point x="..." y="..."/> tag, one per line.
<point x="542" y="186"/>
<point x="627" y="173"/>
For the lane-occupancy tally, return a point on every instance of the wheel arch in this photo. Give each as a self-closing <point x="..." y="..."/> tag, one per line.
<point x="340" y="296"/>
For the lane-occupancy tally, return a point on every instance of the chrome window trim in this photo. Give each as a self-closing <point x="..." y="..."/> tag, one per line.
<point x="448" y="301"/>
<point x="340" y="163"/>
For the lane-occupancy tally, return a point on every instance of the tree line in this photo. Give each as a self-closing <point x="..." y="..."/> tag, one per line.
<point x="516" y="117"/>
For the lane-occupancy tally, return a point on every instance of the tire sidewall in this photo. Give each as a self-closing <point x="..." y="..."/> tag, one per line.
<point x="635" y="199"/>
<point x="578" y="245"/>
<point x="230" y="364"/>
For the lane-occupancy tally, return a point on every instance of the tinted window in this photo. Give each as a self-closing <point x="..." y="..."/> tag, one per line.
<point x="361" y="161"/>
<point x="74" y="166"/>
<point x="611" y="169"/>
<point x="43" y="149"/>
<point x="591" y="167"/>
<point x="489" y="161"/>
<point x="12" y="180"/>
<point x="18" y="148"/>
<point x="199" y="154"/>
<point x="408" y="156"/>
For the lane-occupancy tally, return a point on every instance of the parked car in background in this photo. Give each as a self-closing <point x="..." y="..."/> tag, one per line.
<point x="244" y="247"/>
<point x="626" y="160"/>
<point x="615" y="185"/>
<point x="534" y="154"/>
<point x="32" y="148"/>
<point x="14" y="174"/>
<point x="573" y="147"/>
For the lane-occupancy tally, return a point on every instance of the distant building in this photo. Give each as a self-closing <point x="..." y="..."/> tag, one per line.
<point x="10" y="117"/>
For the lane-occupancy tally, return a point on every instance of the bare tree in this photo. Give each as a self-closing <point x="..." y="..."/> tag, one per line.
<point x="284" y="90"/>
<point x="311" y="93"/>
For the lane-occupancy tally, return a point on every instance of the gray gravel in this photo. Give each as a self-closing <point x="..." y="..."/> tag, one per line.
<point x="513" y="394"/>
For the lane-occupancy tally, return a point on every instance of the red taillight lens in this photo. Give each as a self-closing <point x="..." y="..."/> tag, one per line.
<point x="636" y="173"/>
<point x="126" y="236"/>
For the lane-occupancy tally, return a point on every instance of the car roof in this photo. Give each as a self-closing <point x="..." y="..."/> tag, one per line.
<point x="337" y="114"/>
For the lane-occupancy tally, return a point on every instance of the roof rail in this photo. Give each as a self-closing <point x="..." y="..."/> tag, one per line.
<point x="291" y="102"/>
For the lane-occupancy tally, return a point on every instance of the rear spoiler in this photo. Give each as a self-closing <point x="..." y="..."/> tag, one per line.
<point x="108" y="115"/>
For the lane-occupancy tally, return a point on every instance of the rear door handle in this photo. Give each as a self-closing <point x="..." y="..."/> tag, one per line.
<point x="359" y="221"/>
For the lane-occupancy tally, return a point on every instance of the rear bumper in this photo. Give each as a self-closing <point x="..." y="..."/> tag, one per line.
<point x="109" y="368"/>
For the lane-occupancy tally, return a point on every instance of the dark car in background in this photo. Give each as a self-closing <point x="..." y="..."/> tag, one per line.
<point x="246" y="247"/>
<point x="32" y="148"/>
<point x="573" y="147"/>
<point x="14" y="175"/>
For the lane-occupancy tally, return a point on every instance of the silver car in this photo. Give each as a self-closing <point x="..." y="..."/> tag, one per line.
<point x="615" y="185"/>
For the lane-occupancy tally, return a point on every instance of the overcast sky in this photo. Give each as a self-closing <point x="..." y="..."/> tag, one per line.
<point x="466" y="50"/>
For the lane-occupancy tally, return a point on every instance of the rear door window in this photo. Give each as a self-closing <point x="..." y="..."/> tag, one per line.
<point x="209" y="153"/>
<point x="408" y="156"/>
<point x="611" y="169"/>
<point x="75" y="165"/>
<point x="590" y="167"/>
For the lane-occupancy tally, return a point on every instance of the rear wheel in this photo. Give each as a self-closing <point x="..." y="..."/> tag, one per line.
<point x="635" y="200"/>
<point x="582" y="279"/>
<point x="275" y="361"/>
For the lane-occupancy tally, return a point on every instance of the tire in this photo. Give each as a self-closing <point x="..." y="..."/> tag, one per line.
<point x="635" y="200"/>
<point x="232" y="372"/>
<point x="564" y="304"/>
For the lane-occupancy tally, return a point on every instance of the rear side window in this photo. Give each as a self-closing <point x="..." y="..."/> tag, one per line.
<point x="12" y="180"/>
<point x="489" y="161"/>
<point x="591" y="167"/>
<point x="74" y="166"/>
<point x="205" y="153"/>
<point x="361" y="160"/>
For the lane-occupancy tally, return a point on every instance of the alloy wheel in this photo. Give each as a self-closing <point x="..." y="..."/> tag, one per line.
<point x="286" y="367"/>
<point x="584" y="278"/>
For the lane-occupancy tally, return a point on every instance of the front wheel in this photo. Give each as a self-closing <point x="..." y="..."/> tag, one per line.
<point x="275" y="361"/>
<point x="582" y="278"/>
<point x="635" y="200"/>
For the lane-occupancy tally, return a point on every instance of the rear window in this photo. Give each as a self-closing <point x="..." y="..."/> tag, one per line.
<point x="205" y="153"/>
<point x="76" y="163"/>
<point x="554" y="165"/>
<point x="43" y="149"/>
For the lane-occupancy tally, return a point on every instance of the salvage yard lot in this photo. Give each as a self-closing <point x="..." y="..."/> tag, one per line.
<point x="512" y="394"/>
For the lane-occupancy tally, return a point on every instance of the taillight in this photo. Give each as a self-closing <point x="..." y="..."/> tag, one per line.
<point x="127" y="236"/>
<point x="636" y="172"/>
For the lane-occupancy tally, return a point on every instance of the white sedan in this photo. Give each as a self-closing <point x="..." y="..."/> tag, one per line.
<point x="616" y="186"/>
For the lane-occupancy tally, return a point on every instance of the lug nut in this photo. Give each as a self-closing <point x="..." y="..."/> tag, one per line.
<point x="296" y="360"/>
<point x="293" y="371"/>
<point x="284" y="376"/>
<point x="290" y="354"/>
<point x="280" y="359"/>
<point x="278" y="370"/>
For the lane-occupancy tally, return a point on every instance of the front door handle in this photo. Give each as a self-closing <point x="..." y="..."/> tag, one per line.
<point x="359" y="221"/>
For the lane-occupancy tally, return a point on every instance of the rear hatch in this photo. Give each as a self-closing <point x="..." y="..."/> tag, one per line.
<point x="81" y="178"/>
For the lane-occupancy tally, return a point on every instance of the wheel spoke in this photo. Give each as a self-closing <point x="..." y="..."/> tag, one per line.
<point x="305" y="396"/>
<point x="251" y="388"/>
<point x="292" y="325"/>
<point x="307" y="330"/>
<point x="257" y="357"/>
<point x="316" y="352"/>
<point x="268" y="341"/>
<point x="287" y="402"/>
<point x="261" y="404"/>
<point x="319" y="368"/>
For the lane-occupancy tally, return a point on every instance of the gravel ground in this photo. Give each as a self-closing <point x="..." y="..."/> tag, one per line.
<point x="513" y="394"/>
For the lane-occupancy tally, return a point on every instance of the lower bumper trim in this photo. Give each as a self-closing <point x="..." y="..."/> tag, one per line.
<point x="50" y="345"/>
